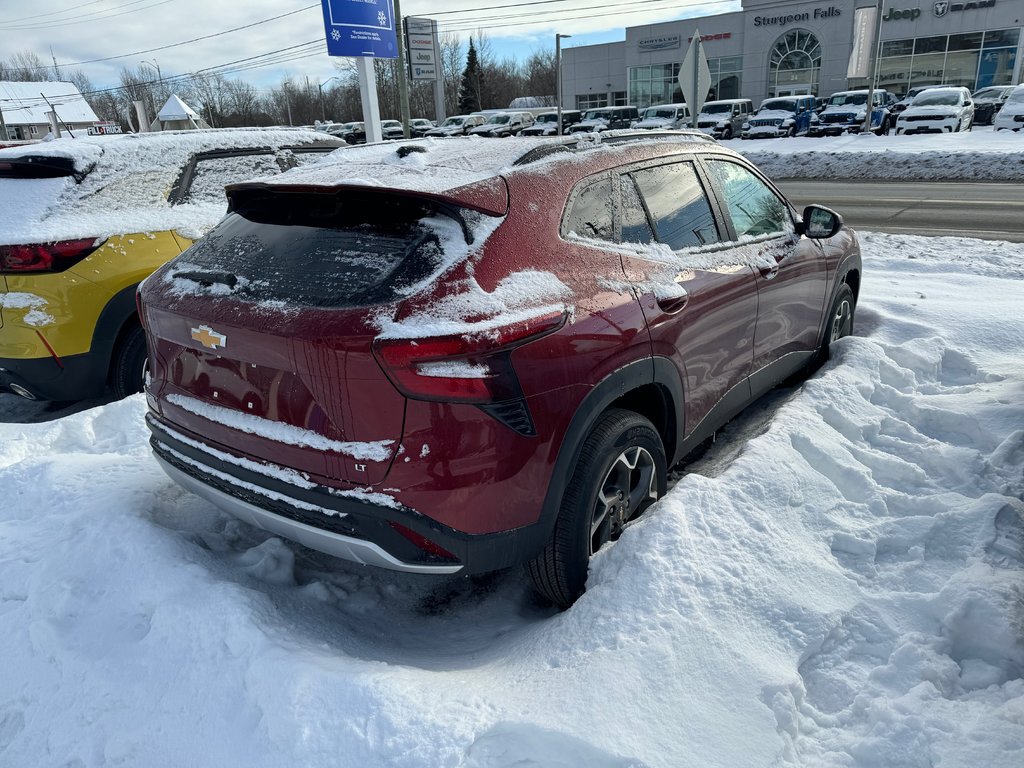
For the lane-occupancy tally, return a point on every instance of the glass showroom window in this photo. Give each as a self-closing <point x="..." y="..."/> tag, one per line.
<point x="973" y="60"/>
<point x="585" y="101"/>
<point x="659" y="84"/>
<point x="794" y="64"/>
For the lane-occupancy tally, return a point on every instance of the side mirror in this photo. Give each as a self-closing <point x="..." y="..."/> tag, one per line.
<point x="820" y="222"/>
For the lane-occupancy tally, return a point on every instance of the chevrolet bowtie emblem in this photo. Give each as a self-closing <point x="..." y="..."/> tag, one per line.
<point x="208" y="337"/>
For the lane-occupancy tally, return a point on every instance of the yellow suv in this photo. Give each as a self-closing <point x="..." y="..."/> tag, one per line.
<point x="86" y="220"/>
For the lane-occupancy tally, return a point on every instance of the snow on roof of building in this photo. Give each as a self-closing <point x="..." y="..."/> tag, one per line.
<point x="24" y="103"/>
<point x="176" y="109"/>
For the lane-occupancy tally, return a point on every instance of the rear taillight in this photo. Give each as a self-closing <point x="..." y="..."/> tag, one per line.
<point x="463" y="368"/>
<point x="44" y="257"/>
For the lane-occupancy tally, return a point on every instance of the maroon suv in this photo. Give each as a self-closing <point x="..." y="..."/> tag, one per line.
<point x="459" y="356"/>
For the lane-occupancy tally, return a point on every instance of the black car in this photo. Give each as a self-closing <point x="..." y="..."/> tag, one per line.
<point x="988" y="101"/>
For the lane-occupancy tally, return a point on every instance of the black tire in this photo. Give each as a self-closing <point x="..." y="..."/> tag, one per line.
<point x="128" y="366"/>
<point x="883" y="129"/>
<point x="726" y="133"/>
<point x="585" y="521"/>
<point x="839" y="321"/>
<point x="791" y="132"/>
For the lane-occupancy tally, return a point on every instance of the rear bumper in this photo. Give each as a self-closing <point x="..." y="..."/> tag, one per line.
<point x="351" y="524"/>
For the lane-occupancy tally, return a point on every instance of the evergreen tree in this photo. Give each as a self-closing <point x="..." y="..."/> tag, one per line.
<point x="469" y="90"/>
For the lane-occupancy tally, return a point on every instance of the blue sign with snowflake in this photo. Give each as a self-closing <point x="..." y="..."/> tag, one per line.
<point x="360" y="28"/>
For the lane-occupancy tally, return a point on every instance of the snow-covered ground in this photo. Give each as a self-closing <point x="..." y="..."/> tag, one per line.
<point x="838" y="581"/>
<point x="979" y="155"/>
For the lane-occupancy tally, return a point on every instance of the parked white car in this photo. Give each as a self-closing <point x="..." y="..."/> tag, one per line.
<point x="1011" y="116"/>
<point x="664" y="116"/>
<point x="937" y="110"/>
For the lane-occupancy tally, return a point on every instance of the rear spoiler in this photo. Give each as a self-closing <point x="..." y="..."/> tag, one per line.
<point x="489" y="196"/>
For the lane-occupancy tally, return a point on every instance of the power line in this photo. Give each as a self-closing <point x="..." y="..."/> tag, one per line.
<point x="186" y="42"/>
<point x="602" y="6"/>
<point x="96" y="14"/>
<point x="51" y="13"/>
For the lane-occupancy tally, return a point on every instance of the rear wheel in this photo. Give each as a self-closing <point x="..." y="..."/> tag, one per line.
<point x="620" y="472"/>
<point x="726" y="133"/>
<point x="128" y="368"/>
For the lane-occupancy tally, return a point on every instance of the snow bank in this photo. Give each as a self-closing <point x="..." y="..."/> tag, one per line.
<point x="981" y="155"/>
<point x="837" y="582"/>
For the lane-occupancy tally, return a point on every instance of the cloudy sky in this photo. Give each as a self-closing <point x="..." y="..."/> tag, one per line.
<point x="82" y="33"/>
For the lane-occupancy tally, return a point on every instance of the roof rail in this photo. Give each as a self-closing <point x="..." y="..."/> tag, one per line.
<point x="581" y="141"/>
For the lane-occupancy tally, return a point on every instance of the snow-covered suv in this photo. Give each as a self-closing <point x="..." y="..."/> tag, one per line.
<point x="724" y="119"/>
<point x="664" y="116"/>
<point x="937" y="110"/>
<point x="1011" y="116"/>
<point x="459" y="356"/>
<point x="503" y="124"/>
<point x="457" y="125"/>
<point x="784" y="116"/>
<point x="845" y="112"/>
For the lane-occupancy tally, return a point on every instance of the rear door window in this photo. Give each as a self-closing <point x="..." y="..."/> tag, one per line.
<point x="678" y="205"/>
<point x="212" y="174"/>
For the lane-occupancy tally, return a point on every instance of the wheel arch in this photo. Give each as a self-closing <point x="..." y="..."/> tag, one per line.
<point x="651" y="387"/>
<point x="118" y="316"/>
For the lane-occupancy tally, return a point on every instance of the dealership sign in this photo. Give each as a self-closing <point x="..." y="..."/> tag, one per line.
<point x="360" y="28"/>
<point x="818" y="14"/>
<point x="660" y="43"/>
<point x="944" y="7"/>
<point x="421" y="40"/>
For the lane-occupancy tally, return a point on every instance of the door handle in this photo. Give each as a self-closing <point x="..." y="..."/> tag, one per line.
<point x="672" y="304"/>
<point x="769" y="272"/>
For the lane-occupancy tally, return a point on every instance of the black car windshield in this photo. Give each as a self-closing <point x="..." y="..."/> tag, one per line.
<point x="498" y="119"/>
<point x="552" y="118"/>
<point x="453" y="121"/>
<point x="598" y="114"/>
<point x="784" y="105"/>
<point x="936" y="99"/>
<point x="848" y="99"/>
<point x="655" y="112"/>
<point x="716" y="109"/>
<point x="990" y="93"/>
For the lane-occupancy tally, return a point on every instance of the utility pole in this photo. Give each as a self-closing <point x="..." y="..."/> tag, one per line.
<point x="558" y="79"/>
<point x="403" y="83"/>
<point x="874" y="67"/>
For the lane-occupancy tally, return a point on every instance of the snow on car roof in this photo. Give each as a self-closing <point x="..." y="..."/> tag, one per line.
<point x="123" y="184"/>
<point x="435" y="166"/>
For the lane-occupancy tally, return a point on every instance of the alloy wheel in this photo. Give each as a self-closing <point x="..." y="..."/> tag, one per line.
<point x="631" y="482"/>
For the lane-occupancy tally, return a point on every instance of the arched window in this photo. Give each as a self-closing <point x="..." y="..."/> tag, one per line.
<point x="794" y="64"/>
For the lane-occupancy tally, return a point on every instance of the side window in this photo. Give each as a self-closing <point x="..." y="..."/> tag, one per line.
<point x="678" y="205"/>
<point x="591" y="212"/>
<point x="212" y="174"/>
<point x="754" y="207"/>
<point x="635" y="226"/>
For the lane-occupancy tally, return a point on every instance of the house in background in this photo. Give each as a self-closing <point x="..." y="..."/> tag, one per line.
<point x="23" y="108"/>
<point x="176" y="115"/>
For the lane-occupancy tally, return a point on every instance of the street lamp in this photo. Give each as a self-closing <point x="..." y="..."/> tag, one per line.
<point x="160" y="79"/>
<point x="558" y="79"/>
<point x="320" y="87"/>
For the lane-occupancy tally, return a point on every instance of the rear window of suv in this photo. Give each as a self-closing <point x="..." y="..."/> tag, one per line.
<point x="343" y="250"/>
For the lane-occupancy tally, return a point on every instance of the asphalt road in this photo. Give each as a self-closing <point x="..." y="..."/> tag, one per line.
<point x="990" y="211"/>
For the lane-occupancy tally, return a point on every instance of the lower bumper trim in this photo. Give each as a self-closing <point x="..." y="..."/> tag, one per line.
<point x="339" y="545"/>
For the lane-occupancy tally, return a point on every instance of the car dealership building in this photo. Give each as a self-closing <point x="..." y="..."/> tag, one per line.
<point x="784" y="47"/>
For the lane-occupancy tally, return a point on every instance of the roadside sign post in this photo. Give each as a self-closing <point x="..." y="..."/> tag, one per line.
<point x="695" y="77"/>
<point x="364" y="30"/>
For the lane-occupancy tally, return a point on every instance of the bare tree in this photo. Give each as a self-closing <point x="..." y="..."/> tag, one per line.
<point x="452" y="56"/>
